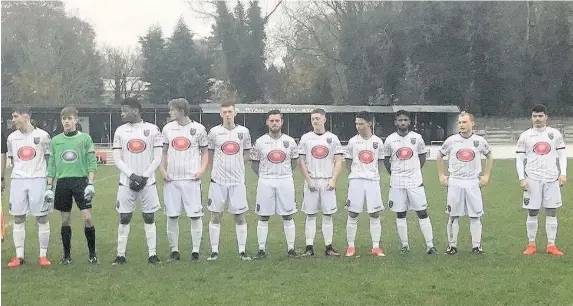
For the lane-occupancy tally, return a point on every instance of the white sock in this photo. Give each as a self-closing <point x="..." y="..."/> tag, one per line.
<point x="310" y="229"/>
<point x="122" y="234"/>
<point x="454" y="229"/>
<point x="262" y="233"/>
<point x="196" y="234"/>
<point x="151" y="235"/>
<point x="19" y="236"/>
<point x="551" y="229"/>
<point x="241" y="236"/>
<point x="426" y="228"/>
<point x="351" y="228"/>
<point x="44" y="238"/>
<point x="214" y="231"/>
<point x="375" y="231"/>
<point x="532" y="225"/>
<point x="402" y="225"/>
<point x="327" y="229"/>
<point x="475" y="230"/>
<point x="290" y="233"/>
<point x="173" y="233"/>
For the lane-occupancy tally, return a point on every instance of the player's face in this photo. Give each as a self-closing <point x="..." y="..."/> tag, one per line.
<point x="275" y="123"/>
<point x="362" y="126"/>
<point x="128" y="114"/>
<point x="539" y="119"/>
<point x="19" y="120"/>
<point x="228" y="114"/>
<point x="175" y="114"/>
<point x="402" y="122"/>
<point x="69" y="123"/>
<point x="465" y="123"/>
<point x="318" y="121"/>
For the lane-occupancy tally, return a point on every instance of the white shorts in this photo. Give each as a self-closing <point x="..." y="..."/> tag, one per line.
<point x="126" y="199"/>
<point x="542" y="194"/>
<point x="275" y="196"/>
<point x="183" y="194"/>
<point x="464" y="198"/>
<point x="235" y="196"/>
<point x="323" y="199"/>
<point x="27" y="197"/>
<point x="362" y="191"/>
<point x="403" y="199"/>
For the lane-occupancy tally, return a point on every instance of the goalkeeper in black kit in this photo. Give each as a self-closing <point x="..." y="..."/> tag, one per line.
<point x="137" y="152"/>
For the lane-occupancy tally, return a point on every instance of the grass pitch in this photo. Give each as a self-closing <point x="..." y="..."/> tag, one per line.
<point x="502" y="276"/>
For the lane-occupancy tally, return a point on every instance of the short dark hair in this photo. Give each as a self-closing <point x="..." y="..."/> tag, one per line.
<point x="539" y="108"/>
<point x="227" y="105"/>
<point x="274" y="112"/>
<point x="364" y="115"/>
<point x="318" y="111"/>
<point x="69" y="111"/>
<point x="400" y="113"/>
<point x="464" y="113"/>
<point x="131" y="102"/>
<point x="22" y="110"/>
<point x="180" y="104"/>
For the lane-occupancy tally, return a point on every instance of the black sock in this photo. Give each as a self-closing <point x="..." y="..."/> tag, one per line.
<point x="91" y="239"/>
<point x="66" y="240"/>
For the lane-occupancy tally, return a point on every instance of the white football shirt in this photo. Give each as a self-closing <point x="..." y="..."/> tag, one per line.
<point x="184" y="149"/>
<point x="319" y="151"/>
<point x="228" y="156"/>
<point x="540" y="148"/>
<point x="365" y="154"/>
<point x="275" y="156"/>
<point x="404" y="159"/>
<point x="137" y="142"/>
<point x="464" y="155"/>
<point x="28" y="153"/>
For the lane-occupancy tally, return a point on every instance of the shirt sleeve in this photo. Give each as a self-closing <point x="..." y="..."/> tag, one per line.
<point x="247" y="145"/>
<point x="446" y="147"/>
<point x="9" y="147"/>
<point x="302" y="146"/>
<point x="559" y="141"/>
<point x="164" y="133"/>
<point x="381" y="150"/>
<point x="521" y="144"/>
<point x="4" y="144"/>
<point x="387" y="148"/>
<point x="158" y="138"/>
<point x="255" y="152"/>
<point x="211" y="140"/>
<point x="294" y="150"/>
<point x="203" y="138"/>
<point x="337" y="146"/>
<point x="421" y="145"/>
<point x="485" y="148"/>
<point x="46" y="144"/>
<point x="91" y="157"/>
<point x="117" y="140"/>
<point x="348" y="150"/>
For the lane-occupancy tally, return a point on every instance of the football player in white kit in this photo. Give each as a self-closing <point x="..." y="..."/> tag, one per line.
<point x="137" y="148"/>
<point x="363" y="156"/>
<point x="320" y="163"/>
<point x="405" y="155"/>
<point x="229" y="147"/>
<point x="542" y="168"/>
<point x="29" y="150"/>
<point x="464" y="151"/>
<point x="274" y="157"/>
<point x="185" y="159"/>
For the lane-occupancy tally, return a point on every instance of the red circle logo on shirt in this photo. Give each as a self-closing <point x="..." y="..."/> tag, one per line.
<point x="404" y="153"/>
<point x="276" y="156"/>
<point x="319" y="152"/>
<point x="26" y="153"/>
<point x="136" y="146"/>
<point x="181" y="143"/>
<point x="230" y="148"/>
<point x="366" y="156"/>
<point x="542" y="148"/>
<point x="466" y="155"/>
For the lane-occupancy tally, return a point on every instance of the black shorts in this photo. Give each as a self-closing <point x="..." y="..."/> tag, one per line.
<point x="69" y="189"/>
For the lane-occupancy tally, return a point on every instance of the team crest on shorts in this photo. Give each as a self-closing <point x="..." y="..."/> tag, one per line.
<point x="240" y="135"/>
<point x="258" y="207"/>
<point x="413" y="141"/>
<point x="525" y="201"/>
<point x="375" y="145"/>
<point x="347" y="203"/>
<point x="329" y="140"/>
<point x="286" y="144"/>
<point x="192" y="131"/>
<point x="209" y="202"/>
<point x="146" y="133"/>
<point x="449" y="208"/>
<point x="550" y="136"/>
<point x="476" y="143"/>
<point x="390" y="204"/>
<point x="36" y="140"/>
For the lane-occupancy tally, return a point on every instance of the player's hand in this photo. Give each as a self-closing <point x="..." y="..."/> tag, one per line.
<point x="166" y="178"/>
<point x="144" y="181"/>
<point x="523" y="184"/>
<point x="562" y="180"/>
<point x="49" y="195"/>
<point x="444" y="180"/>
<point x="311" y="186"/>
<point x="136" y="178"/>
<point x="331" y="184"/>
<point x="3" y="185"/>
<point x="483" y="180"/>
<point x="198" y="175"/>
<point x="89" y="192"/>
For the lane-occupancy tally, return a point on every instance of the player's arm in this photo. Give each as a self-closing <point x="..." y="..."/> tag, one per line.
<point x="51" y="167"/>
<point x="561" y="158"/>
<point x="4" y="147"/>
<point x="92" y="160"/>
<point x="421" y="151"/>
<point x="47" y="144"/>
<point x="348" y="150"/>
<point x="157" y="155"/>
<point x="255" y="158"/>
<point x="163" y="165"/>
<point x="204" y="159"/>
<point x="443" y="151"/>
<point x="302" y="160"/>
<point x="247" y="146"/>
<point x="338" y="157"/>
<point x="520" y="159"/>
<point x="117" y="156"/>
<point x="387" y="152"/>
<point x="294" y="155"/>
<point x="210" y="149"/>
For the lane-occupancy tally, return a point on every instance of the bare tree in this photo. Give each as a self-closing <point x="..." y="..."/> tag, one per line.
<point x="123" y="72"/>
